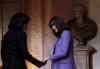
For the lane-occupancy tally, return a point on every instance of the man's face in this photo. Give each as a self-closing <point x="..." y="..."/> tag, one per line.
<point x="25" y="26"/>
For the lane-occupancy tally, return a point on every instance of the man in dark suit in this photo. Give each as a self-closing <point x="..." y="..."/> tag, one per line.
<point x="14" y="46"/>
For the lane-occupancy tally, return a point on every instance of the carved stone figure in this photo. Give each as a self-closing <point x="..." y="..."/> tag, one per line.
<point x="83" y="28"/>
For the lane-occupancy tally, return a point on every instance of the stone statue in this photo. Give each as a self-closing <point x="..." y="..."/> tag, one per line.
<point x="83" y="28"/>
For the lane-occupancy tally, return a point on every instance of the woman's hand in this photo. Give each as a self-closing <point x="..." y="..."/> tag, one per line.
<point x="47" y="58"/>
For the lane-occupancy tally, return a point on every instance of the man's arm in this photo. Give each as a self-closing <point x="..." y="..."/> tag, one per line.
<point x="23" y="49"/>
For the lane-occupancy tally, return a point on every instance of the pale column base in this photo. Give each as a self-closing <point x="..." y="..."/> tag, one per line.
<point x="82" y="55"/>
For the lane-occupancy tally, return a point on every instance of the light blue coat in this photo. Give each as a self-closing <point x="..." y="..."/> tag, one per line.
<point x="62" y="58"/>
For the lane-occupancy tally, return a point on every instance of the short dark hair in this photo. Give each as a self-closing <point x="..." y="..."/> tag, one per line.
<point x="18" y="20"/>
<point x="59" y="23"/>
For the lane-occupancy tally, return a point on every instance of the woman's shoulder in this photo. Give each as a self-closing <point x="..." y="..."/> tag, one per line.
<point x="66" y="33"/>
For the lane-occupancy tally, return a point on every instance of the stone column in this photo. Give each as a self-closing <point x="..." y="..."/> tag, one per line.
<point x="33" y="8"/>
<point x="82" y="56"/>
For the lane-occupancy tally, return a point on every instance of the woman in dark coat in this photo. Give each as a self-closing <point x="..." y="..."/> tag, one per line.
<point x="14" y="46"/>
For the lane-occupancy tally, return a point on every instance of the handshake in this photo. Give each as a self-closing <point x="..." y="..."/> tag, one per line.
<point x="44" y="62"/>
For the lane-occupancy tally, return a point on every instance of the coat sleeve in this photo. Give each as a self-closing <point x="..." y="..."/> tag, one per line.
<point x="62" y="46"/>
<point x="24" y="52"/>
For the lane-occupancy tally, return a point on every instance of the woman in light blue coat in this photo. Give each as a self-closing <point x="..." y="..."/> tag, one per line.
<point x="62" y="57"/>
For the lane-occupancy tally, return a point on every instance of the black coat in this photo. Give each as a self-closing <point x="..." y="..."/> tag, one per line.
<point x="14" y="51"/>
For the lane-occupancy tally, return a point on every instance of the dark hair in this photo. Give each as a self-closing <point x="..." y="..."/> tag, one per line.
<point x="18" y="20"/>
<point x="59" y="23"/>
